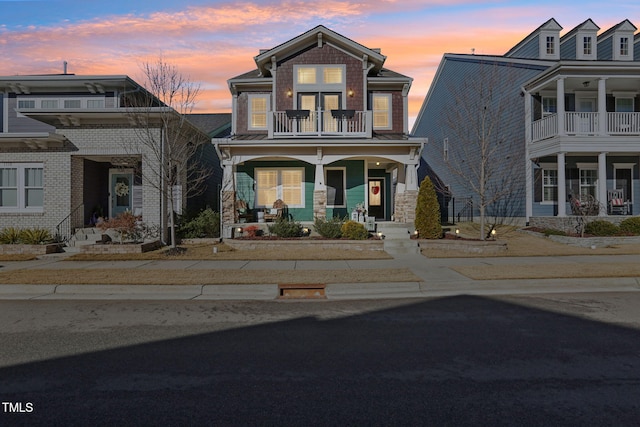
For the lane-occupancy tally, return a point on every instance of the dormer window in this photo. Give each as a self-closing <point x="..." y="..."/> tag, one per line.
<point x="587" y="45"/>
<point x="551" y="45"/>
<point x="624" y="46"/>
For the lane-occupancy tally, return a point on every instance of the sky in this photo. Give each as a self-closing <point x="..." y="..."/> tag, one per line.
<point x="212" y="41"/>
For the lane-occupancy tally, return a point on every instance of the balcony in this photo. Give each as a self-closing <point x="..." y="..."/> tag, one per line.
<point x="315" y="124"/>
<point x="586" y="124"/>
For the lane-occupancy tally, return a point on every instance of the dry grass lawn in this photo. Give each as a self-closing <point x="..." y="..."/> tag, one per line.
<point x="549" y="271"/>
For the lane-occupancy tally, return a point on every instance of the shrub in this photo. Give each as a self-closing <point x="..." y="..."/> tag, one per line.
<point x="205" y="224"/>
<point x="428" y="211"/>
<point x="35" y="236"/>
<point x="329" y="228"/>
<point x="630" y="225"/>
<point x="10" y="236"/>
<point x="253" y="231"/>
<point x="354" y="231"/>
<point x="285" y="228"/>
<point x="551" y="232"/>
<point x="127" y="225"/>
<point x="601" y="228"/>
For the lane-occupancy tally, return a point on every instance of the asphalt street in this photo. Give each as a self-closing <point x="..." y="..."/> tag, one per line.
<point x="548" y="359"/>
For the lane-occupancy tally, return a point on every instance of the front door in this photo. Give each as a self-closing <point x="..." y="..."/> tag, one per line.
<point x="120" y="191"/>
<point x="376" y="198"/>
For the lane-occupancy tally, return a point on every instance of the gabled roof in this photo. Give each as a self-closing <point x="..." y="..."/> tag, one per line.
<point x="551" y="24"/>
<point x="625" y="25"/>
<point x="318" y="35"/>
<point x="216" y="125"/>
<point x="587" y="25"/>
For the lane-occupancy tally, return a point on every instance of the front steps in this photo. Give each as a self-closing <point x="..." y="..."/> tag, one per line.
<point x="397" y="238"/>
<point x="84" y="236"/>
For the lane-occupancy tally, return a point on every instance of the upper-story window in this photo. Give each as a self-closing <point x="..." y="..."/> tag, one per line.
<point x="624" y="46"/>
<point x="551" y="45"/>
<point x="587" y="45"/>
<point x="320" y="74"/>
<point x="258" y="107"/>
<point x="51" y="103"/>
<point x="381" y="111"/>
<point x="549" y="105"/>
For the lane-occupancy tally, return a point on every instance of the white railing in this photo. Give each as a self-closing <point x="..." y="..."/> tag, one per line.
<point x="581" y="123"/>
<point x="320" y="124"/>
<point x="623" y="123"/>
<point x="586" y="124"/>
<point x="545" y="128"/>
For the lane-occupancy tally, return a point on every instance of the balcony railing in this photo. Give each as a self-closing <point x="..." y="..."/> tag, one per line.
<point x="332" y="123"/>
<point x="586" y="124"/>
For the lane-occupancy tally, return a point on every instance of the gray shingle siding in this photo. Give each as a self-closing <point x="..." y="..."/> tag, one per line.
<point x="568" y="48"/>
<point x="433" y="125"/>
<point x="605" y="49"/>
<point x="530" y="50"/>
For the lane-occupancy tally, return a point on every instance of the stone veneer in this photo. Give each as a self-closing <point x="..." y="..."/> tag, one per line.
<point x="320" y="204"/>
<point x="405" y="204"/>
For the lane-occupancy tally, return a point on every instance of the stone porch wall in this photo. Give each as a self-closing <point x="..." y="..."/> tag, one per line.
<point x="405" y="206"/>
<point x="320" y="204"/>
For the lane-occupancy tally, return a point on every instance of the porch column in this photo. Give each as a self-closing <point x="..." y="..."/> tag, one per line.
<point x="560" y="101"/>
<point x="228" y="197"/>
<point x="319" y="193"/>
<point x="602" y="106"/>
<point x="602" y="183"/>
<point x="562" y="186"/>
<point x="527" y="161"/>
<point x="411" y="179"/>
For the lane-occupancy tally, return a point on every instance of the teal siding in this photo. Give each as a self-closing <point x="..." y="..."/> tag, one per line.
<point x="356" y="186"/>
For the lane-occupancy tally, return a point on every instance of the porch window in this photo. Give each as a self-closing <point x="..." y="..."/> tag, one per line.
<point x="549" y="105"/>
<point x="21" y="187"/>
<point x="286" y="184"/>
<point x="549" y="185"/>
<point x="258" y="106"/>
<point x="588" y="182"/>
<point x="336" y="185"/>
<point x="624" y="105"/>
<point x="381" y="110"/>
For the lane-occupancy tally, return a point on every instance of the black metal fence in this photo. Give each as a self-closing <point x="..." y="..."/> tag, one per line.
<point x="454" y="210"/>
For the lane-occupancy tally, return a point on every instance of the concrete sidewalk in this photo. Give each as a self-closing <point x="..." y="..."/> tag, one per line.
<point x="437" y="278"/>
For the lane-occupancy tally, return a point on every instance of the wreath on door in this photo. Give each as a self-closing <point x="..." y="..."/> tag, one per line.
<point x="122" y="189"/>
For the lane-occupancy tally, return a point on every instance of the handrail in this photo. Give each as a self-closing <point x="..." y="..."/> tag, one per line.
<point x="66" y="227"/>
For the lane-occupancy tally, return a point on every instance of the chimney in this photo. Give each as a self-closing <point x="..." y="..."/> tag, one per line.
<point x="64" y="65"/>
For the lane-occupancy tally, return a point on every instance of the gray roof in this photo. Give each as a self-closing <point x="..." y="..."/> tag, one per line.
<point x="215" y="125"/>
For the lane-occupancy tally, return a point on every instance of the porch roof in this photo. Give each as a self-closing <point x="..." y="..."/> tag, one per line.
<point x="31" y="140"/>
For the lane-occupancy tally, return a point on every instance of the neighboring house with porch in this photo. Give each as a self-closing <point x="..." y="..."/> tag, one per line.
<point x="321" y="125"/>
<point x="70" y="151"/>
<point x="575" y="113"/>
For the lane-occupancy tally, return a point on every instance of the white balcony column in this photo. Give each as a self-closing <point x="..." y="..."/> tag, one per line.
<point x="562" y="186"/>
<point x="602" y="106"/>
<point x="602" y="183"/>
<point x="560" y="101"/>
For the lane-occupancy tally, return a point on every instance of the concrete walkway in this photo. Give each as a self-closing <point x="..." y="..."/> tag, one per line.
<point x="437" y="279"/>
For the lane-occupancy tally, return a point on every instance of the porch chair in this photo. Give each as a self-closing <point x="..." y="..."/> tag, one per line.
<point x="278" y="211"/>
<point x="616" y="202"/>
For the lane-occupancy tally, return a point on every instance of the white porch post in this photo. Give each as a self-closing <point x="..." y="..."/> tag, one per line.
<point x="560" y="101"/>
<point x="602" y="106"/>
<point x="602" y="183"/>
<point x="401" y="186"/>
<point x="562" y="186"/>
<point x="319" y="181"/>
<point x="412" y="177"/>
<point x="527" y="160"/>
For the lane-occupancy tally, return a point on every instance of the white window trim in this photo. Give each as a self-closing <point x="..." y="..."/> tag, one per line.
<point x="587" y="166"/>
<point x="389" y="113"/>
<point x="627" y="166"/>
<point x="344" y="185"/>
<point x="543" y="45"/>
<point x="21" y="186"/>
<point x="543" y="167"/>
<point x="279" y="186"/>
<point x="249" y="112"/>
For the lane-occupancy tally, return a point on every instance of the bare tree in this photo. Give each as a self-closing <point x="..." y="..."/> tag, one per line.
<point x="165" y="137"/>
<point x="483" y="153"/>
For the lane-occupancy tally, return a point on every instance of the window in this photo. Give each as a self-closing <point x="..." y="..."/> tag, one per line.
<point x="21" y="187"/>
<point x="382" y="111"/>
<point x="26" y="103"/>
<point x="336" y="185"/>
<point x="95" y="103"/>
<point x="549" y="105"/>
<point x="624" y="46"/>
<point x="549" y="185"/>
<point x="586" y="45"/>
<point x="307" y="75"/>
<point x="258" y="106"/>
<point x="332" y="75"/>
<point x="624" y="105"/>
<point x="49" y="103"/>
<point x="72" y="103"/>
<point x="550" y="45"/>
<point x="286" y="184"/>
<point x="588" y="181"/>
